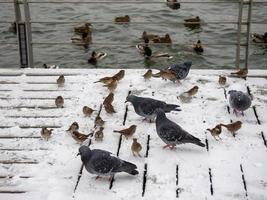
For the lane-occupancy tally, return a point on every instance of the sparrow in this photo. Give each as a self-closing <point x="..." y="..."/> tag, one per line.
<point x="216" y="131"/>
<point x="109" y="108"/>
<point x="148" y="74"/>
<point x="105" y="80"/>
<point x="73" y="127"/>
<point x="79" y="137"/>
<point x="166" y="75"/>
<point x="61" y="81"/>
<point x="233" y="127"/>
<point x="127" y="132"/>
<point x="222" y="80"/>
<point x="99" y="121"/>
<point x="99" y="135"/>
<point x="87" y="111"/>
<point x="242" y="73"/>
<point x="112" y="86"/>
<point x="59" y="102"/>
<point x="109" y="99"/>
<point x="136" y="147"/>
<point x="119" y="75"/>
<point x="192" y="91"/>
<point x="46" y="133"/>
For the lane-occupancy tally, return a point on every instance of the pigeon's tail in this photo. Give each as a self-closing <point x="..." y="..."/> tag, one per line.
<point x="129" y="168"/>
<point x="171" y="107"/>
<point x="193" y="140"/>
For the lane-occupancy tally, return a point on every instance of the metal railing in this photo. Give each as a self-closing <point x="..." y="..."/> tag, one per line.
<point x="28" y="22"/>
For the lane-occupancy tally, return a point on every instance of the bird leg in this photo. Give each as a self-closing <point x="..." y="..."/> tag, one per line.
<point x="178" y="82"/>
<point x="168" y="145"/>
<point x="110" y="178"/>
<point x="139" y="155"/>
<point x="98" y="177"/>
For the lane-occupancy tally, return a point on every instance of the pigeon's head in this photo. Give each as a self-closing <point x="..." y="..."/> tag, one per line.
<point x="130" y="98"/>
<point x="232" y="92"/>
<point x="83" y="150"/>
<point x="188" y="64"/>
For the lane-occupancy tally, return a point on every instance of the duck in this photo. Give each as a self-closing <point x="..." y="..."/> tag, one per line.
<point x="192" y="22"/>
<point x="148" y="36"/>
<point x="95" y="57"/>
<point x="164" y="39"/>
<point x="145" y="50"/>
<point x="258" y="38"/>
<point x="50" y="66"/>
<point x="122" y="19"/>
<point x="85" y="39"/>
<point x="86" y="28"/>
<point x="173" y="4"/>
<point x="198" y="47"/>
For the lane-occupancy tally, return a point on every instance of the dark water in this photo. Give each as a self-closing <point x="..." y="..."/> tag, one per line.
<point x="119" y="41"/>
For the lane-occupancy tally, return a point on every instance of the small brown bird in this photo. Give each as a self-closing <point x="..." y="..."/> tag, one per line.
<point x="99" y="121"/>
<point x="112" y="86"/>
<point x="79" y="137"/>
<point x="164" y="39"/>
<point x="222" y="80"/>
<point x="46" y="133"/>
<point x="166" y="75"/>
<point x="192" y="91"/>
<point x="73" y="127"/>
<point x="105" y="80"/>
<point x="119" y="75"/>
<point x="128" y="132"/>
<point x="109" y="99"/>
<point x="59" y="102"/>
<point x="87" y="111"/>
<point x="216" y="131"/>
<point x="86" y="28"/>
<point x="122" y="19"/>
<point x="242" y="73"/>
<point x="233" y="127"/>
<point x="145" y="36"/>
<point x="99" y="135"/>
<point x="61" y="81"/>
<point x="136" y="147"/>
<point x="148" y="74"/>
<point x="109" y="108"/>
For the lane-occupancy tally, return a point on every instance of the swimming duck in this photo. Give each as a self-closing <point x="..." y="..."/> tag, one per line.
<point x="192" y="22"/>
<point x="122" y="19"/>
<point x="84" y="40"/>
<point x="198" y="47"/>
<point x="86" y="28"/>
<point x="50" y="67"/>
<point x="173" y="4"/>
<point x="258" y="38"/>
<point x="164" y="39"/>
<point x="148" y="36"/>
<point x="95" y="57"/>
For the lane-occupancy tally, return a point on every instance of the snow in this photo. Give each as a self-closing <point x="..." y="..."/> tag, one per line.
<point x="56" y="174"/>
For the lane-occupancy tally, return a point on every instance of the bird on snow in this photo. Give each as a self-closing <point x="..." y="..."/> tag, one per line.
<point x="46" y="133"/>
<point x="242" y="73"/>
<point x="73" y="127"/>
<point x="104" y="163"/>
<point x="171" y="133"/>
<point x="128" y="132"/>
<point x="61" y="81"/>
<point x="146" y="107"/>
<point x="216" y="131"/>
<point x="239" y="101"/>
<point x="233" y="127"/>
<point x="59" y="101"/>
<point x="136" y="147"/>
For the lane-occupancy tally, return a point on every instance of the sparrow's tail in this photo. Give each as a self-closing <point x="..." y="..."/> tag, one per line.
<point x="234" y="72"/>
<point x="171" y="107"/>
<point x="115" y="131"/>
<point x="129" y="168"/>
<point x="96" y="82"/>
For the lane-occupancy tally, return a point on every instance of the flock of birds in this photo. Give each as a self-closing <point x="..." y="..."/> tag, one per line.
<point x="104" y="163"/>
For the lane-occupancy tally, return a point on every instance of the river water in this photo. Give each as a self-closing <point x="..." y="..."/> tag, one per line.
<point x="119" y="41"/>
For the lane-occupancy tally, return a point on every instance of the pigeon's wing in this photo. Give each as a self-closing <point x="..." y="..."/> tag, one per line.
<point x="148" y="106"/>
<point x="170" y="131"/>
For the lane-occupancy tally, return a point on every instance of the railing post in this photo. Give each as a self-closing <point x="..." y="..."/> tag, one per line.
<point x="17" y="11"/>
<point x="239" y="26"/>
<point x="28" y="33"/>
<point x="248" y="33"/>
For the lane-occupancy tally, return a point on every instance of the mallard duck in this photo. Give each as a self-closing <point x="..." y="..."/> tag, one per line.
<point x="50" y="66"/>
<point x="122" y="19"/>
<point x="192" y="22"/>
<point x="95" y="57"/>
<point x="164" y="39"/>
<point x="145" y="35"/>
<point x="173" y="4"/>
<point x="86" y="28"/>
<point x="258" y="38"/>
<point x="198" y="47"/>
<point x="85" y="39"/>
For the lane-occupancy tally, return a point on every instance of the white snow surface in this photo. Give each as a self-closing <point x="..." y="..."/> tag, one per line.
<point x="56" y="173"/>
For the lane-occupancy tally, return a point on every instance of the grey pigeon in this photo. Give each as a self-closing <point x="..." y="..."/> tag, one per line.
<point x="146" y="107"/>
<point x="239" y="101"/>
<point x="181" y="70"/>
<point x="104" y="163"/>
<point x="171" y="133"/>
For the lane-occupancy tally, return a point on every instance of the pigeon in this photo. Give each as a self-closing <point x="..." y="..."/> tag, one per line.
<point x="181" y="70"/>
<point x="216" y="131"/>
<point x="239" y="101"/>
<point x="146" y="107"/>
<point x="171" y="133"/>
<point x="233" y="127"/>
<point x="104" y="163"/>
<point x="136" y="147"/>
